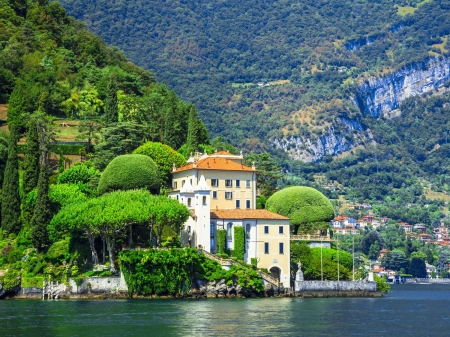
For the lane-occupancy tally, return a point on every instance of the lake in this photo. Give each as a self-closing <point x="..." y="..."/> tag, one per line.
<point x="409" y="310"/>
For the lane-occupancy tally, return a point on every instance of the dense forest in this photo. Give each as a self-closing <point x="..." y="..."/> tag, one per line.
<point x="308" y="55"/>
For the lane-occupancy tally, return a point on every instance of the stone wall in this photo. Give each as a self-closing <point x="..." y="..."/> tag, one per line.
<point x="336" y="286"/>
<point x="112" y="284"/>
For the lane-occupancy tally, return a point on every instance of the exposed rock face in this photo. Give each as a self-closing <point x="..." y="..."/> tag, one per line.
<point x="332" y="142"/>
<point x="381" y="96"/>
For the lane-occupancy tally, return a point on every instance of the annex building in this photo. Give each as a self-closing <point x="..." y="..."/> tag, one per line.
<point x="220" y="192"/>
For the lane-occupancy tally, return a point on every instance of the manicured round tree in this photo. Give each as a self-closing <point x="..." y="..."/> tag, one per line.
<point x="128" y="172"/>
<point x="163" y="156"/>
<point x="307" y="208"/>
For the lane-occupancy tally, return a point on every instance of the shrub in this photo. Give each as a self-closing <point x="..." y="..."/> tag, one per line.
<point x="32" y="282"/>
<point x="78" y="173"/>
<point x="239" y="243"/>
<point x="127" y="172"/>
<point x="222" y="241"/>
<point x="163" y="156"/>
<point x="306" y="207"/>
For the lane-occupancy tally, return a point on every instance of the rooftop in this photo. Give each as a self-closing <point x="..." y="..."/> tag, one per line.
<point x="245" y="214"/>
<point x="217" y="161"/>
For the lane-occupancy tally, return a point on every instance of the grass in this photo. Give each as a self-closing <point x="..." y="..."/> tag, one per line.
<point x="67" y="133"/>
<point x="405" y="10"/>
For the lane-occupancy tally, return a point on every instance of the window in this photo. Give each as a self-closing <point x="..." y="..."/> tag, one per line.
<point x="266" y="248"/>
<point x="182" y="183"/>
<point x="212" y="230"/>
<point x="247" y="183"/>
<point x="228" y="195"/>
<point x="247" y="203"/>
<point x="281" y="248"/>
<point x="238" y="183"/>
<point x="177" y="196"/>
<point x="214" y="194"/>
<point x="228" y="183"/>
<point x="280" y="229"/>
<point x="175" y="185"/>
<point x="204" y="200"/>
<point x="229" y="229"/>
<point x="190" y="181"/>
<point x="214" y="182"/>
<point x="266" y="229"/>
<point x="247" y="231"/>
<point x="238" y="204"/>
<point x="189" y="202"/>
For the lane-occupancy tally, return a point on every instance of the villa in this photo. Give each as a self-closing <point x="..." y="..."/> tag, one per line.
<point x="220" y="192"/>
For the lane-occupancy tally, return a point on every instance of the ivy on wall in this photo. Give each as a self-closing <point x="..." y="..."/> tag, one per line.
<point x="222" y="241"/>
<point x="239" y="243"/>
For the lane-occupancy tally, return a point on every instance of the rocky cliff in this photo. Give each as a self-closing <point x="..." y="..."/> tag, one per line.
<point x="351" y="134"/>
<point x="382" y="96"/>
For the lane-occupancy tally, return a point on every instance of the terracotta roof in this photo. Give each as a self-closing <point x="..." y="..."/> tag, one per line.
<point x="245" y="214"/>
<point x="216" y="163"/>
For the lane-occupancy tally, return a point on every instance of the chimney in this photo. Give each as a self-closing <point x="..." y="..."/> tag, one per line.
<point x="174" y="167"/>
<point x="217" y="208"/>
<point x="253" y="165"/>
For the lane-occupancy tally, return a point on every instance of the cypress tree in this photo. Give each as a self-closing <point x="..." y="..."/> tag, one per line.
<point x="10" y="189"/>
<point x="193" y="131"/>
<point x="32" y="158"/>
<point x="111" y="102"/>
<point x="42" y="211"/>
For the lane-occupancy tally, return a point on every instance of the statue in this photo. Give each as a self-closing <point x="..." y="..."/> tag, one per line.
<point x="299" y="275"/>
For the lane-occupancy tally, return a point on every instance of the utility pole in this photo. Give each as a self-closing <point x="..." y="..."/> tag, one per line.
<point x="353" y="256"/>
<point x="338" y="257"/>
<point x="321" y="260"/>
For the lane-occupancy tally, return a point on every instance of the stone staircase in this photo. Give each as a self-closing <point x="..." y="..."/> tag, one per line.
<point x="51" y="290"/>
<point x="229" y="262"/>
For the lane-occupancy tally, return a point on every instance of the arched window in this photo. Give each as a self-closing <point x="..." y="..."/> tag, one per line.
<point x="189" y="202"/>
<point x="229" y="229"/>
<point x="247" y="231"/>
<point x="204" y="200"/>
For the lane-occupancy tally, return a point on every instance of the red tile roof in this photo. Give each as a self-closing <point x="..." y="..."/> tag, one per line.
<point x="216" y="163"/>
<point x="245" y="214"/>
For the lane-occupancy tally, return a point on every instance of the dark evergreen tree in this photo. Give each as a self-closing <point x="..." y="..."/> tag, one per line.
<point x="417" y="268"/>
<point x="193" y="131"/>
<point x="172" y="130"/>
<point x="111" y="102"/>
<point x="42" y="211"/>
<point x="19" y="104"/>
<point x="32" y="158"/>
<point x="10" y="189"/>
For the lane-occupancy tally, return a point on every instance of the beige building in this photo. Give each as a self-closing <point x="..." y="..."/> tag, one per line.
<point x="221" y="193"/>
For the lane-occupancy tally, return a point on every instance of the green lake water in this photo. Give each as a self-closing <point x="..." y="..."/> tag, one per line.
<point x="409" y="310"/>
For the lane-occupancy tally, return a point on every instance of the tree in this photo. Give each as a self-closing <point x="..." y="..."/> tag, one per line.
<point x="192" y="141"/>
<point x="374" y="250"/>
<point x="443" y="261"/>
<point x="163" y="156"/>
<point x="42" y="211"/>
<point x="111" y="102"/>
<point x="417" y="268"/>
<point x="268" y="172"/>
<point x="119" y="139"/>
<point x="308" y="209"/>
<point x="395" y="260"/>
<point x="112" y="213"/>
<point x="78" y="173"/>
<point x="368" y="240"/>
<point x="10" y="188"/>
<point x="32" y="157"/>
<point x="127" y="172"/>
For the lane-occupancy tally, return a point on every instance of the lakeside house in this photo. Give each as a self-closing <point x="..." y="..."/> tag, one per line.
<point x="220" y="192"/>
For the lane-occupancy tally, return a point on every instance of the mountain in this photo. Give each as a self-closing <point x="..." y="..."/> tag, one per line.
<point x="290" y="75"/>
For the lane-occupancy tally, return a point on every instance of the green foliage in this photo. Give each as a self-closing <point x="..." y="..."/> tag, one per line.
<point x="163" y="156"/>
<point x="32" y="158"/>
<point x="10" y="215"/>
<point x="134" y="171"/>
<point x="42" y="211"/>
<point x="417" y="268"/>
<point x="222" y="241"/>
<point x="11" y="279"/>
<point x="395" y="260"/>
<point x="174" y="271"/>
<point x="307" y="208"/>
<point x="59" y="251"/>
<point x="382" y="284"/>
<point x="239" y="243"/>
<point x="111" y="103"/>
<point x="32" y="282"/>
<point x="78" y="173"/>
<point x="268" y="172"/>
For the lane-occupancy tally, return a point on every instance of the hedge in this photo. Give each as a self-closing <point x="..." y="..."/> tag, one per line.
<point x="127" y="172"/>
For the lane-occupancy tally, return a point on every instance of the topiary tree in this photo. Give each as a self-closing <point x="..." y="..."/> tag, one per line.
<point x="163" y="156"/>
<point x="79" y="173"/>
<point x="307" y="208"/>
<point x="128" y="172"/>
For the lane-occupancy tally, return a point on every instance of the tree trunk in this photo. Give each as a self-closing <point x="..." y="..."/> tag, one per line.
<point x="104" y="250"/>
<point x="91" y="239"/>
<point x="111" y="245"/>
<point x="130" y="238"/>
<point x="151" y="236"/>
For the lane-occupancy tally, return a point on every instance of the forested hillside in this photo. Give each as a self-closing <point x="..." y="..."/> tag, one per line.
<point x="308" y="57"/>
